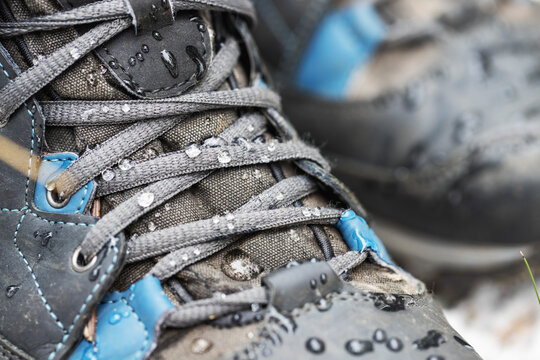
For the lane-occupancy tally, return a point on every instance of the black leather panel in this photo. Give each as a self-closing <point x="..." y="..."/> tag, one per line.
<point x="46" y="302"/>
<point x="160" y="63"/>
<point x="21" y="132"/>
<point x="22" y="310"/>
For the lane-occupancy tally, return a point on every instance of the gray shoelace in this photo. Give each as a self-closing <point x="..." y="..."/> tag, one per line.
<point x="168" y="175"/>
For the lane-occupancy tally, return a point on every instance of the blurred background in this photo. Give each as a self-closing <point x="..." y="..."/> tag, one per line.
<point x="396" y="90"/>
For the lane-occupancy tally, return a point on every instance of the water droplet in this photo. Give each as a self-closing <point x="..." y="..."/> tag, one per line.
<point x="216" y="219"/>
<point x="167" y="207"/>
<point x="12" y="290"/>
<point x="432" y="339"/>
<point x="193" y="151"/>
<point x="108" y="175"/>
<point x="279" y="196"/>
<point x="45" y="238"/>
<point x="239" y="266"/>
<point x="145" y="49"/>
<point x="237" y="318"/>
<point x="306" y="212"/>
<point x="244" y="144"/>
<point x="324" y="278"/>
<point x="91" y="79"/>
<point x="145" y="199"/>
<point x="313" y="283"/>
<point x="224" y="157"/>
<point x="125" y="165"/>
<point x="75" y="53"/>
<point x="229" y="217"/>
<point x="379" y="336"/>
<point x="105" y="109"/>
<point x="435" y="357"/>
<point x="157" y="215"/>
<point x="151" y="226"/>
<point x="169" y="60"/>
<point x="201" y="27"/>
<point x="272" y="146"/>
<point x="294" y="235"/>
<point x="323" y="305"/>
<point x="315" y="345"/>
<point x="358" y="347"/>
<point x="214" y="141"/>
<point x="132" y="61"/>
<point x="139" y="56"/>
<point x="115" y="318"/>
<point x="463" y="342"/>
<point x="151" y="153"/>
<point x="193" y="53"/>
<point x="39" y="257"/>
<point x="94" y="273"/>
<point x="156" y="35"/>
<point x="113" y="64"/>
<point x="197" y="252"/>
<point x="200" y="346"/>
<point x="102" y="70"/>
<point x="257" y="174"/>
<point x="126" y="108"/>
<point x="394" y="344"/>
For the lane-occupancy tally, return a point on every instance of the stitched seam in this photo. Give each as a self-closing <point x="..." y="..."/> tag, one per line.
<point x="61" y="222"/>
<point x="88" y="299"/>
<point x="14" y="210"/>
<point x="31" y="153"/>
<point x="143" y="349"/>
<point x="154" y="91"/>
<point x="47" y="306"/>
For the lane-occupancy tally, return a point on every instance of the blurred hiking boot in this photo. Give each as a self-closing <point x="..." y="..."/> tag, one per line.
<point x="430" y="113"/>
<point x="156" y="204"/>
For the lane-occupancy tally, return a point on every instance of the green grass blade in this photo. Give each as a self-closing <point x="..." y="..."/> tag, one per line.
<point x="532" y="277"/>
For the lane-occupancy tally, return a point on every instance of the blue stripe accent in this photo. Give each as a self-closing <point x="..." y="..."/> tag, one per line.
<point x="127" y="323"/>
<point x="50" y="168"/>
<point x="345" y="40"/>
<point x="359" y="236"/>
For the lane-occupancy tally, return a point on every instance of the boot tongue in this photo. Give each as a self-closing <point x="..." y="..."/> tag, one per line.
<point x="157" y="60"/>
<point x="158" y="64"/>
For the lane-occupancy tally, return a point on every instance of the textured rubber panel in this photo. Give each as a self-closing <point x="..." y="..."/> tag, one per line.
<point x="378" y="326"/>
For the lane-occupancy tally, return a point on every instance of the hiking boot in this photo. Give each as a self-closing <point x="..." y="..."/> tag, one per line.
<point x="156" y="204"/>
<point x="429" y="112"/>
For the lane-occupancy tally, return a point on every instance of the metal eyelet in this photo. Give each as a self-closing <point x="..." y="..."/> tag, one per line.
<point x="77" y="261"/>
<point x="52" y="197"/>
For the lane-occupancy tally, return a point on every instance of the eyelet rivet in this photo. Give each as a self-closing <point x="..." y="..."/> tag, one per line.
<point x="76" y="260"/>
<point x="52" y="198"/>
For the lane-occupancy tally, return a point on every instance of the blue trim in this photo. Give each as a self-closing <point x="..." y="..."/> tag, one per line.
<point x="50" y="168"/>
<point x="359" y="236"/>
<point x="345" y="40"/>
<point x="127" y="323"/>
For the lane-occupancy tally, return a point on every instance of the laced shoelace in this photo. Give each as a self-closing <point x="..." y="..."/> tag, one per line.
<point x="169" y="174"/>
